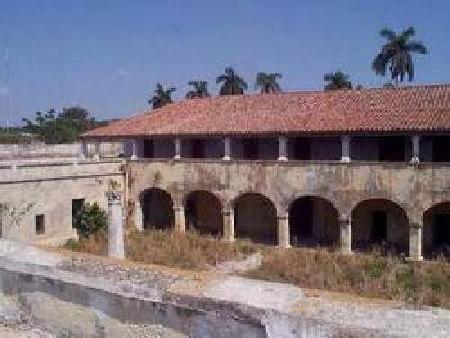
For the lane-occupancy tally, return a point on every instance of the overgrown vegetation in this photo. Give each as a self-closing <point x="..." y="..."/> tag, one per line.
<point x="189" y="250"/>
<point x="90" y="220"/>
<point x="388" y="277"/>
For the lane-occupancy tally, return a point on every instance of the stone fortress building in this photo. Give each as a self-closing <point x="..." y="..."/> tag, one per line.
<point x="350" y="169"/>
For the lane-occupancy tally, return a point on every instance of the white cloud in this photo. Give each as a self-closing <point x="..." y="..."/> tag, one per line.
<point x="4" y="91"/>
<point x="122" y="73"/>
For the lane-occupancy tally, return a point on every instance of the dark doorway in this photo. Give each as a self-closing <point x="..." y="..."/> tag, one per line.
<point x="198" y="148"/>
<point x="148" y="149"/>
<point x="378" y="230"/>
<point x="250" y="148"/>
<point x="255" y="217"/>
<point x="157" y="209"/>
<point x="77" y="205"/>
<point x="441" y="230"/>
<point x="391" y="149"/>
<point x="441" y="149"/>
<point x="301" y="220"/>
<point x="204" y="213"/>
<point x="302" y="148"/>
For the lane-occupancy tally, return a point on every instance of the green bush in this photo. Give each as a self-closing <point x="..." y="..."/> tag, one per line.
<point x="90" y="220"/>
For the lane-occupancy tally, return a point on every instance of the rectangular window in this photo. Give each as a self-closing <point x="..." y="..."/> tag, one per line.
<point x="392" y="149"/>
<point x="77" y="204"/>
<point x="198" y="149"/>
<point x="40" y="224"/>
<point x="250" y="148"/>
<point x="302" y="148"/>
<point x="148" y="149"/>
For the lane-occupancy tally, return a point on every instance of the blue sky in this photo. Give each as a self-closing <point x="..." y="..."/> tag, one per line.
<point x="108" y="55"/>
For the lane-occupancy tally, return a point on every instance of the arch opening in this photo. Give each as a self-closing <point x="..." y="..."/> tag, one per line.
<point x="255" y="218"/>
<point x="313" y="221"/>
<point x="436" y="230"/>
<point x="203" y="212"/>
<point x="157" y="209"/>
<point x="379" y="224"/>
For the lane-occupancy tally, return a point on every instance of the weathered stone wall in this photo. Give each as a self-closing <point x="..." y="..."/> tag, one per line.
<point x="46" y="151"/>
<point x="27" y="190"/>
<point x="413" y="188"/>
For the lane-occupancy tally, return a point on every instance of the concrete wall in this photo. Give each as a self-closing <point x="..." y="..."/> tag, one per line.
<point x="31" y="189"/>
<point x="45" y="151"/>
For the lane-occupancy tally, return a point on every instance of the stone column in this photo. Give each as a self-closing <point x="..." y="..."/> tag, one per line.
<point x="227" y="149"/>
<point x="345" y="240"/>
<point x="345" y="144"/>
<point x="177" y="148"/>
<point x="283" y="231"/>
<point x="282" y="148"/>
<point x="83" y="150"/>
<point x="228" y="225"/>
<point x="415" y="242"/>
<point x="116" y="245"/>
<point x="415" y="139"/>
<point x="138" y="216"/>
<point x="180" y="219"/>
<point x="134" y="150"/>
<point x="97" y="151"/>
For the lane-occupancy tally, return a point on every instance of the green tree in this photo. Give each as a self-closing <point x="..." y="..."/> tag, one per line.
<point x="231" y="83"/>
<point x="396" y="54"/>
<point x="337" y="80"/>
<point x="90" y="220"/>
<point x="267" y="82"/>
<point x="161" y="96"/>
<point x="199" y="90"/>
<point x="64" y="127"/>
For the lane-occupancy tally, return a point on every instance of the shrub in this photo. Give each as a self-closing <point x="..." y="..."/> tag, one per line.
<point x="90" y="220"/>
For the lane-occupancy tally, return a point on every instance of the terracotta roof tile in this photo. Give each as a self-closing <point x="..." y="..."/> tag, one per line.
<point x="421" y="109"/>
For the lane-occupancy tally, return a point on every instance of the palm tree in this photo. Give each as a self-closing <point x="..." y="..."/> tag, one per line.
<point x="396" y="54"/>
<point x="161" y="96"/>
<point x="267" y="82"/>
<point x="337" y="80"/>
<point x="232" y="83"/>
<point x="200" y="90"/>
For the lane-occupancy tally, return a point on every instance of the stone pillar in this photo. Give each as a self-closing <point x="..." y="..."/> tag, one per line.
<point x="415" y="242"/>
<point x="227" y="149"/>
<point x="138" y="216"/>
<point x="180" y="219"/>
<point x="283" y="231"/>
<point x="97" y="151"/>
<point x="177" y="148"/>
<point x="116" y="245"/>
<point x="282" y="148"/>
<point x="83" y="150"/>
<point x="345" y="240"/>
<point x="415" y="139"/>
<point x="345" y="145"/>
<point x="228" y="225"/>
<point x="134" y="150"/>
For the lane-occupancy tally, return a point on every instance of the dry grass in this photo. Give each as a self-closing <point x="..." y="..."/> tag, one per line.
<point x="387" y="277"/>
<point x="374" y="275"/>
<point x="170" y="248"/>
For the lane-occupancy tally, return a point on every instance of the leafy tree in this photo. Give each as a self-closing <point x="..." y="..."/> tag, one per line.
<point x="199" y="90"/>
<point x="90" y="220"/>
<point x="232" y="83"/>
<point x="161" y="96"/>
<point x="64" y="127"/>
<point x="396" y="54"/>
<point x="267" y="82"/>
<point x="337" y="80"/>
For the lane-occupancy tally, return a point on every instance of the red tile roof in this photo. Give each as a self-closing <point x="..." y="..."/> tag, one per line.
<point x="418" y="109"/>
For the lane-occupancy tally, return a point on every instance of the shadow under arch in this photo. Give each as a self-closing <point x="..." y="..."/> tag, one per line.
<point x="157" y="209"/>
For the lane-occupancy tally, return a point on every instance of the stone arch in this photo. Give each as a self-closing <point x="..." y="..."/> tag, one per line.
<point x="255" y="217"/>
<point x="313" y="220"/>
<point x="436" y="230"/>
<point x="203" y="211"/>
<point x="380" y="222"/>
<point x="157" y="209"/>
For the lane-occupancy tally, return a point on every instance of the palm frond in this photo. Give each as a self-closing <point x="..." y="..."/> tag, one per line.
<point x="388" y="33"/>
<point x="417" y="47"/>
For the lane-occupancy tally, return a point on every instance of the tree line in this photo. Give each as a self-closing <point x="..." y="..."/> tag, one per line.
<point x="395" y="57"/>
